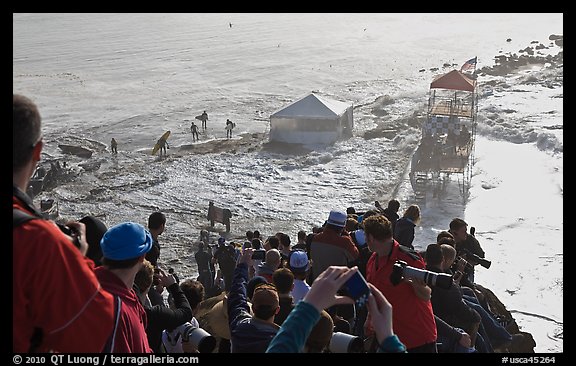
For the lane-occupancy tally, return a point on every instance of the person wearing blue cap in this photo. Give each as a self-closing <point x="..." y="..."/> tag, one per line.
<point x="124" y="247"/>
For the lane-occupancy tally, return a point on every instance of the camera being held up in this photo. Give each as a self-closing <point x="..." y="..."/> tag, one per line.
<point x="72" y="232"/>
<point x="402" y="270"/>
<point x="474" y="259"/>
<point x="345" y="343"/>
<point x="190" y="335"/>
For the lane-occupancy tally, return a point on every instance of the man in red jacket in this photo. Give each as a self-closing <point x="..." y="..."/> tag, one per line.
<point x="124" y="247"/>
<point x="58" y="304"/>
<point x="333" y="246"/>
<point x="413" y="317"/>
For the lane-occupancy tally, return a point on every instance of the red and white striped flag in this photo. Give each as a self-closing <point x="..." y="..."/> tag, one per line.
<point x="470" y="64"/>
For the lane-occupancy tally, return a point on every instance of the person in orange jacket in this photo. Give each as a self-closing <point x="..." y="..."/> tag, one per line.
<point x="58" y="304"/>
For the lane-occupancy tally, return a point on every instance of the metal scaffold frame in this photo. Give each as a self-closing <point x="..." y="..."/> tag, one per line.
<point x="448" y="137"/>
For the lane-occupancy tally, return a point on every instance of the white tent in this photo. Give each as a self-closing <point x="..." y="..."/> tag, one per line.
<point x="312" y="120"/>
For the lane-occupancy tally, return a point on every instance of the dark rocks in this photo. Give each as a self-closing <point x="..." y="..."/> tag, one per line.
<point x="520" y="344"/>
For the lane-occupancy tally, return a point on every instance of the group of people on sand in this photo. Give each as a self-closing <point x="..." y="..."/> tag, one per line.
<point x="270" y="295"/>
<point x="163" y="144"/>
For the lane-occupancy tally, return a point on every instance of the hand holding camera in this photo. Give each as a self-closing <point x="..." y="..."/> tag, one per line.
<point x="246" y="257"/>
<point x="162" y="278"/>
<point x="76" y="232"/>
<point x="380" y="311"/>
<point x="323" y="292"/>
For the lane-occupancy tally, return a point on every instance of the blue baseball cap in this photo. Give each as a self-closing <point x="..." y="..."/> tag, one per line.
<point x="127" y="240"/>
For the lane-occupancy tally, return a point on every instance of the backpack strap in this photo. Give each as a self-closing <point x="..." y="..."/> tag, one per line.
<point x="109" y="347"/>
<point x="19" y="217"/>
<point x="410" y="252"/>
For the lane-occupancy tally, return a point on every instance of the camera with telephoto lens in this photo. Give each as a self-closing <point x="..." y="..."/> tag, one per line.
<point x="345" y="343"/>
<point x="475" y="259"/>
<point x="200" y="339"/>
<point x="402" y="270"/>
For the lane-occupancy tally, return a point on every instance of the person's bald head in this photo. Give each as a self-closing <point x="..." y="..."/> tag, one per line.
<point x="272" y="258"/>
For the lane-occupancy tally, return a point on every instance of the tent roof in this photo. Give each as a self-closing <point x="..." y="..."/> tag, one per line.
<point x="313" y="106"/>
<point x="454" y="80"/>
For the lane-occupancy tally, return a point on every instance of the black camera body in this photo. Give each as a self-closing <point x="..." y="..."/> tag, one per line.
<point x="402" y="270"/>
<point x="475" y="259"/>
<point x="259" y="254"/>
<point x="72" y="232"/>
<point x="467" y="268"/>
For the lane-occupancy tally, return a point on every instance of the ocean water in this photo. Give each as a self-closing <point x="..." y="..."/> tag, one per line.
<point x="134" y="76"/>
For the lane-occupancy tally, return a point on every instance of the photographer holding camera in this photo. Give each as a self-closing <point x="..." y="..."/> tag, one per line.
<point x="323" y="294"/>
<point x="466" y="244"/>
<point x="448" y="304"/>
<point x="413" y="316"/>
<point x="56" y="298"/>
<point x="160" y="317"/>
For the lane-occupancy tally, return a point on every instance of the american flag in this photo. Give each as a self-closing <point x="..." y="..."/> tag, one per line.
<point x="470" y="64"/>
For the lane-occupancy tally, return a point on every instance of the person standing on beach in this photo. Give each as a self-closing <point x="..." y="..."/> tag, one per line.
<point x="114" y="146"/>
<point x="204" y="118"/>
<point x="229" y="126"/>
<point x="194" y="130"/>
<point x="205" y="274"/>
<point x="56" y="298"/>
<point x="163" y="145"/>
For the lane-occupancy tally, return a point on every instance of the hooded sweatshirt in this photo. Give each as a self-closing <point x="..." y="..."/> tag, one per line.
<point x="131" y="333"/>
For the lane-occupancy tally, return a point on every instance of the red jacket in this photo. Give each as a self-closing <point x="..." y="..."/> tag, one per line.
<point x="329" y="248"/>
<point x="131" y="333"/>
<point x="54" y="288"/>
<point x="413" y="317"/>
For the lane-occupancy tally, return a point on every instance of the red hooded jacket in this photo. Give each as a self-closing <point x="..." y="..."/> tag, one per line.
<point x="131" y="333"/>
<point x="54" y="289"/>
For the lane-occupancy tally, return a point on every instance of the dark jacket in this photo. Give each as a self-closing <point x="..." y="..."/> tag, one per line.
<point x="248" y="334"/>
<point x="448" y="336"/>
<point x="154" y="253"/>
<point x="404" y="232"/>
<point x="449" y="305"/>
<point x="471" y="244"/>
<point x="161" y="317"/>
<point x="203" y="260"/>
<point x="391" y="216"/>
<point x="286" y="306"/>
